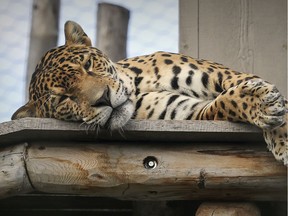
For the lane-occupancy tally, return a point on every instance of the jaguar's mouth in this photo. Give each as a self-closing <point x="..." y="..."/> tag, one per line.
<point x="112" y="115"/>
<point x="120" y="115"/>
<point x="104" y="100"/>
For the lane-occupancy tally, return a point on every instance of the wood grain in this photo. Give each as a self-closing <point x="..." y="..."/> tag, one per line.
<point x="184" y="171"/>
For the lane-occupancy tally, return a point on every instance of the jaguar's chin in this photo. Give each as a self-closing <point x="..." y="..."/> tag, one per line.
<point x="120" y="115"/>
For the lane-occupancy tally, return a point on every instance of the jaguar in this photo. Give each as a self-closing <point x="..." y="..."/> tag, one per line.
<point x="78" y="82"/>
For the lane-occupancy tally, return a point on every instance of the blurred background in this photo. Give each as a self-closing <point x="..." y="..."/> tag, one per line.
<point x="148" y="32"/>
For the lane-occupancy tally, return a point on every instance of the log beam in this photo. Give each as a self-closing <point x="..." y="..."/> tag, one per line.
<point x="154" y="171"/>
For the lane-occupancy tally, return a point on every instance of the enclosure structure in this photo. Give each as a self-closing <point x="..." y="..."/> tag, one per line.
<point x="161" y="160"/>
<point x="148" y="160"/>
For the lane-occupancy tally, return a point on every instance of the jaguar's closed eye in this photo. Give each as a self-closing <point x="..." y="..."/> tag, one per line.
<point x="88" y="65"/>
<point x="63" y="97"/>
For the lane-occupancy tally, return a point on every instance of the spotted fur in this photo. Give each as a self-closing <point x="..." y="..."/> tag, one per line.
<point x="77" y="82"/>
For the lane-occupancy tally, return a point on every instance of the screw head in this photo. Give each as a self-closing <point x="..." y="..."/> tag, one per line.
<point x="150" y="162"/>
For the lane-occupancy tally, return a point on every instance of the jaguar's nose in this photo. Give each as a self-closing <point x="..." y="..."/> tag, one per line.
<point x="104" y="100"/>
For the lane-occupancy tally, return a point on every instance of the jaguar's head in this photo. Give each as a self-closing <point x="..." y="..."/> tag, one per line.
<point x="77" y="82"/>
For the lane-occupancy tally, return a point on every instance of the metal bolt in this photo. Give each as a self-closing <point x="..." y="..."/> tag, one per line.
<point x="150" y="162"/>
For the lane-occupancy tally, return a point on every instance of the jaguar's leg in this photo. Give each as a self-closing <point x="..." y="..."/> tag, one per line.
<point x="254" y="101"/>
<point x="167" y="105"/>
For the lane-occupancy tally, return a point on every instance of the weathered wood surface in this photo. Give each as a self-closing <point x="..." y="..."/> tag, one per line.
<point x="195" y="171"/>
<point x="13" y="176"/>
<point x="63" y="157"/>
<point x="136" y="130"/>
<point x="112" y="27"/>
<point x="183" y="171"/>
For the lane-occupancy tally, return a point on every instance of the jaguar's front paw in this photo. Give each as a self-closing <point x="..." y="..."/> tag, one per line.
<point x="268" y="105"/>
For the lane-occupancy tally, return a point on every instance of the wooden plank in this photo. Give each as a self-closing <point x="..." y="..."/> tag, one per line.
<point x="155" y="171"/>
<point x="28" y="129"/>
<point x="13" y="175"/>
<point x="188" y="27"/>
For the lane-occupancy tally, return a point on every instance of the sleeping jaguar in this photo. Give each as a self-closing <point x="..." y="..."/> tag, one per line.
<point x="77" y="82"/>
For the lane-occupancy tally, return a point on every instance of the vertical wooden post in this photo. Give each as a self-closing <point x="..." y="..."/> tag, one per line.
<point x="44" y="32"/>
<point x="112" y="26"/>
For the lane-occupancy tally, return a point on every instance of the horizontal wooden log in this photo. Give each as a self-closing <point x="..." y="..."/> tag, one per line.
<point x="157" y="171"/>
<point x="13" y="176"/>
<point x="29" y="129"/>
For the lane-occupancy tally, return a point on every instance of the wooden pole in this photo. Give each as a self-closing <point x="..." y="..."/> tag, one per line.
<point x="44" y="33"/>
<point x="112" y="26"/>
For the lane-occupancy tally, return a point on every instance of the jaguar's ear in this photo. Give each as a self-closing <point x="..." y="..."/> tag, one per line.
<point x="74" y="34"/>
<point x="28" y="110"/>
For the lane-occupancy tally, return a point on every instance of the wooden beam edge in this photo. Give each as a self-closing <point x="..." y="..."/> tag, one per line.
<point x="27" y="129"/>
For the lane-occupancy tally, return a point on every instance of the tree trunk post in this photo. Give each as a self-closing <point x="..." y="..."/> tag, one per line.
<point x="112" y="26"/>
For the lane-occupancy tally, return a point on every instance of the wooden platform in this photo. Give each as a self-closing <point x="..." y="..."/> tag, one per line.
<point x="148" y="160"/>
